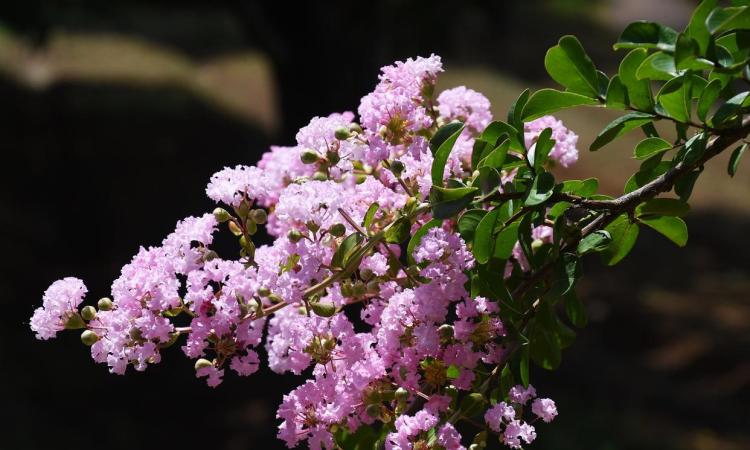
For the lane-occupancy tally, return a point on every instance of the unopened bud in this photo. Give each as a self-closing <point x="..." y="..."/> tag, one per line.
<point x="221" y="215"/>
<point x="323" y="309"/>
<point x="75" y="322"/>
<point x="251" y="227"/>
<point x="402" y="395"/>
<point x="88" y="312"/>
<point x="234" y="228"/>
<point x="104" y="304"/>
<point x="274" y="298"/>
<point x="337" y="230"/>
<point x="373" y="286"/>
<point x="309" y="157"/>
<point x="333" y="157"/>
<point x="88" y="337"/>
<point x="294" y="236"/>
<point x="446" y="331"/>
<point x="411" y="201"/>
<point x="312" y="226"/>
<point x="263" y="291"/>
<point x="259" y="216"/>
<point x="397" y="167"/>
<point x="373" y="410"/>
<point x="354" y="127"/>
<point x="202" y="363"/>
<point x="320" y="176"/>
<point x="361" y="178"/>
<point x="341" y="133"/>
<point x="536" y="243"/>
<point x="247" y="245"/>
<point x="359" y="289"/>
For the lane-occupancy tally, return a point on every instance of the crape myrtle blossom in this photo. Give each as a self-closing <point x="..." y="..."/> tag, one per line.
<point x="386" y="339"/>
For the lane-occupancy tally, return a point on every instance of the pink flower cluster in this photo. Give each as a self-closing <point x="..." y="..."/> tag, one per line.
<point x="419" y="334"/>
<point x="503" y="418"/>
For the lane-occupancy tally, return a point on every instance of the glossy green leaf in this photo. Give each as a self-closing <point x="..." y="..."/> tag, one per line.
<point x="617" y="94"/>
<point x="505" y="241"/>
<point x="547" y="101"/>
<point x="566" y="272"/>
<point x="467" y="223"/>
<point x="697" y="28"/>
<point x="624" y="234"/>
<point x="544" y="143"/>
<point x="645" y="175"/>
<point x="730" y="110"/>
<point x="575" y="310"/>
<point x="620" y="126"/>
<point x="723" y="19"/>
<point x="709" y="95"/>
<point x="370" y="215"/>
<point x="496" y="158"/>
<point x="650" y="147"/>
<point x="441" y="145"/>
<point x="658" y="66"/>
<point x="398" y="232"/>
<point x="447" y="202"/>
<point x="515" y="113"/>
<point x="647" y="35"/>
<point x="734" y="160"/>
<point x="639" y="91"/>
<point x="541" y="189"/>
<point x="523" y="368"/>
<point x="674" y="98"/>
<point x="663" y="207"/>
<point x="594" y="242"/>
<point x="568" y="64"/>
<point x="346" y="249"/>
<point x="673" y="228"/>
<point x="484" y="243"/>
<point x="417" y="238"/>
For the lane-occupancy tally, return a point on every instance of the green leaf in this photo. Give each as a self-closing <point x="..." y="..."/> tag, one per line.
<point x="697" y="28"/>
<point x="547" y="101"/>
<point x="505" y="241"/>
<point x="541" y="189"/>
<point x="447" y="202"/>
<point x="582" y="188"/>
<point x="730" y="110"/>
<point x="417" y="238"/>
<point x="708" y="97"/>
<point x="658" y="66"/>
<point x="398" y="232"/>
<point x="650" y="147"/>
<point x="594" y="242"/>
<point x="620" y="126"/>
<point x="734" y="160"/>
<point x="568" y="64"/>
<point x="370" y="215"/>
<point x="441" y="145"/>
<point x="524" y="365"/>
<point x="693" y="149"/>
<point x="468" y="222"/>
<point x="671" y="227"/>
<point x="617" y="94"/>
<point x="663" y="207"/>
<point x="483" y="246"/>
<point x="575" y="310"/>
<point x="542" y="147"/>
<point x="346" y="249"/>
<point x="647" y="35"/>
<point x="567" y="271"/>
<point x="452" y="372"/>
<point x="639" y="91"/>
<point x="723" y="19"/>
<point x="496" y="158"/>
<point x="515" y="113"/>
<point x="624" y="234"/>
<point x="674" y="98"/>
<point x="645" y="175"/>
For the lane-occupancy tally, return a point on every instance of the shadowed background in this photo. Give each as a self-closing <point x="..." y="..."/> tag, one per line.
<point x="114" y="115"/>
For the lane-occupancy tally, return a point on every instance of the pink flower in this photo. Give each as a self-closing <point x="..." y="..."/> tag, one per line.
<point x="544" y="408"/>
<point x="59" y="303"/>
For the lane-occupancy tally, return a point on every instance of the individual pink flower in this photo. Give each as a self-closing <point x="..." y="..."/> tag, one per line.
<point x="59" y="303"/>
<point x="544" y="408"/>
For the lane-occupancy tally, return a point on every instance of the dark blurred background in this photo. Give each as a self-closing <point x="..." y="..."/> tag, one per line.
<point x="113" y="116"/>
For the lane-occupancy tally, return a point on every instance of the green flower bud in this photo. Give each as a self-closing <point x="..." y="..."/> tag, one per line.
<point x="355" y="128"/>
<point x="294" y="236"/>
<point x="361" y="178"/>
<point x="337" y="230"/>
<point x="402" y="395"/>
<point x="263" y="291"/>
<point x="201" y="363"/>
<point x="333" y="157"/>
<point x="88" y="337"/>
<point x="274" y="298"/>
<point x="259" y="216"/>
<point x="251" y="227"/>
<point x="373" y="286"/>
<point x="445" y="331"/>
<point x="88" y="313"/>
<point x="366" y="274"/>
<point x="397" y="167"/>
<point x="312" y="226"/>
<point x="221" y="215"/>
<point x="309" y="156"/>
<point x="411" y="201"/>
<point x="359" y="289"/>
<point x="536" y="243"/>
<point x="320" y="176"/>
<point x="234" y="228"/>
<point x="373" y="410"/>
<point x="323" y="309"/>
<point x="346" y="290"/>
<point x="104" y="304"/>
<point x="75" y="322"/>
<point x="247" y="245"/>
<point x="341" y="133"/>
